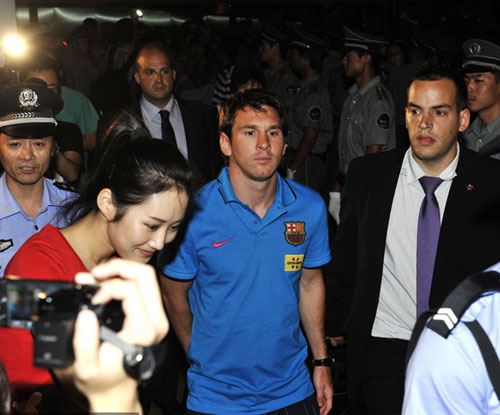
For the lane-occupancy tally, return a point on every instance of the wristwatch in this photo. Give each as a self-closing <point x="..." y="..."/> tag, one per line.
<point x="328" y="362"/>
<point x="138" y="361"/>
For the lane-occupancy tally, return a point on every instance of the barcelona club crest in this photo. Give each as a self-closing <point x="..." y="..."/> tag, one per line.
<point x="295" y="232"/>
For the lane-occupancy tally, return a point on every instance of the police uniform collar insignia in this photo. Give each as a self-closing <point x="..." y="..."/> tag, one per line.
<point x="295" y="232"/>
<point x="475" y="48"/>
<point x="28" y="99"/>
<point x="5" y="244"/>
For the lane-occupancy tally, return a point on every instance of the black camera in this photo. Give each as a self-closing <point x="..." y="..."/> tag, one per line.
<point x="49" y="310"/>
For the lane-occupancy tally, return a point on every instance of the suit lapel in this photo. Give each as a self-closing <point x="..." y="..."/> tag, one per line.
<point x="381" y="205"/>
<point x="136" y="108"/>
<point x="189" y="129"/>
<point x="456" y="204"/>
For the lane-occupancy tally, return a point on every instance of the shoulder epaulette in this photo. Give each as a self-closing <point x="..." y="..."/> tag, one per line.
<point x="66" y="186"/>
<point x="460" y="299"/>
<point x="381" y="93"/>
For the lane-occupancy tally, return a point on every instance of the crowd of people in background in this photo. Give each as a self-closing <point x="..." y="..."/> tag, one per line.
<point x="98" y="61"/>
<point x="324" y="106"/>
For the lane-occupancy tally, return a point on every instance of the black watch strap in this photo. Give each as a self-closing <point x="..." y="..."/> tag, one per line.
<point x="328" y="362"/>
<point x="138" y="361"/>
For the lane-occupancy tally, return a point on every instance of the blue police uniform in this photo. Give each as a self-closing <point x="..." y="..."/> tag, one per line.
<point x="16" y="226"/>
<point x="448" y="375"/>
<point x="247" y="349"/>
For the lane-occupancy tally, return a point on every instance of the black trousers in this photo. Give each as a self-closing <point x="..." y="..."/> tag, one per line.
<point x="308" y="406"/>
<point x="381" y="390"/>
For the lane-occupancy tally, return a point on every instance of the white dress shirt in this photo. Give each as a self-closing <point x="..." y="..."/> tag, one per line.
<point x="397" y="306"/>
<point x="152" y="119"/>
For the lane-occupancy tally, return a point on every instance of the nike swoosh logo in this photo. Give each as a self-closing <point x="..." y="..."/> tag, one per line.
<point x="217" y="244"/>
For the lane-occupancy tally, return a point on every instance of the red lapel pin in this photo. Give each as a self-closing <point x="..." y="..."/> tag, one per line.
<point x="470" y="187"/>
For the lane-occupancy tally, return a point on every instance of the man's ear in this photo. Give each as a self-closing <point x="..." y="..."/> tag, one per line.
<point x="106" y="205"/>
<point x="464" y="120"/>
<point x="136" y="77"/>
<point x="367" y="58"/>
<point x="225" y="144"/>
<point x="53" y="147"/>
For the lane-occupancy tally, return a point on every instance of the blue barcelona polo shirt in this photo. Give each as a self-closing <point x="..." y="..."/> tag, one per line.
<point x="247" y="348"/>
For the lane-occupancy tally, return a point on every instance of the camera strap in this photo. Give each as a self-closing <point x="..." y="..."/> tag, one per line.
<point x="108" y="335"/>
<point x="138" y="361"/>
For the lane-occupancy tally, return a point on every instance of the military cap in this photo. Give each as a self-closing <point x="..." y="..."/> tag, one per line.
<point x="481" y="56"/>
<point x="354" y="39"/>
<point x="273" y="34"/>
<point x="445" y="43"/>
<point x="422" y="39"/>
<point x="307" y="41"/>
<point x="28" y="110"/>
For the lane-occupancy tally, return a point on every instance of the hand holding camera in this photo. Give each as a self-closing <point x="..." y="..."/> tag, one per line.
<point x="95" y="333"/>
<point x="99" y="367"/>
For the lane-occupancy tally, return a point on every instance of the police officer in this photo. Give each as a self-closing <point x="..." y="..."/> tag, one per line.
<point x="482" y="77"/>
<point x="280" y="79"/>
<point x="420" y="50"/>
<point x="310" y="117"/>
<point x="367" y="120"/>
<point x="28" y="201"/>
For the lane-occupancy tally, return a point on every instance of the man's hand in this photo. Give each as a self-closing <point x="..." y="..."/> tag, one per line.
<point x="334" y="206"/>
<point x="322" y="379"/>
<point x="335" y="341"/>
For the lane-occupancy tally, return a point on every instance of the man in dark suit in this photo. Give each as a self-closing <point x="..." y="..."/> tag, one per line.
<point x="376" y="289"/>
<point x="193" y="123"/>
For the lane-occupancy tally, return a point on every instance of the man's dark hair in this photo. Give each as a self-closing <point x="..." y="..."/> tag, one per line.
<point x="242" y="76"/>
<point x="374" y="57"/>
<point x="39" y="62"/>
<point x="253" y="98"/>
<point x="439" y="72"/>
<point x="283" y="47"/>
<point x="315" y="59"/>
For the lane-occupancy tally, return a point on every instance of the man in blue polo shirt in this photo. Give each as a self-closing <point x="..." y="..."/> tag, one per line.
<point x="247" y="274"/>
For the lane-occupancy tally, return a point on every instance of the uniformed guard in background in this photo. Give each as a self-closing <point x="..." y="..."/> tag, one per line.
<point x="310" y="118"/>
<point x="367" y="120"/>
<point x="420" y="51"/>
<point x="482" y="77"/>
<point x="280" y="79"/>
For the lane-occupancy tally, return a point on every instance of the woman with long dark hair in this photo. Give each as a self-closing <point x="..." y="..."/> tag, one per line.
<point x="133" y="205"/>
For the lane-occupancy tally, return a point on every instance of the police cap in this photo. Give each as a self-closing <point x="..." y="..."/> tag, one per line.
<point x="273" y="34"/>
<point x="28" y="110"/>
<point x="307" y="41"/>
<point x="354" y="39"/>
<point x="480" y="56"/>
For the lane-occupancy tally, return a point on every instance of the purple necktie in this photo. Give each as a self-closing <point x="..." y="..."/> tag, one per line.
<point x="429" y="226"/>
